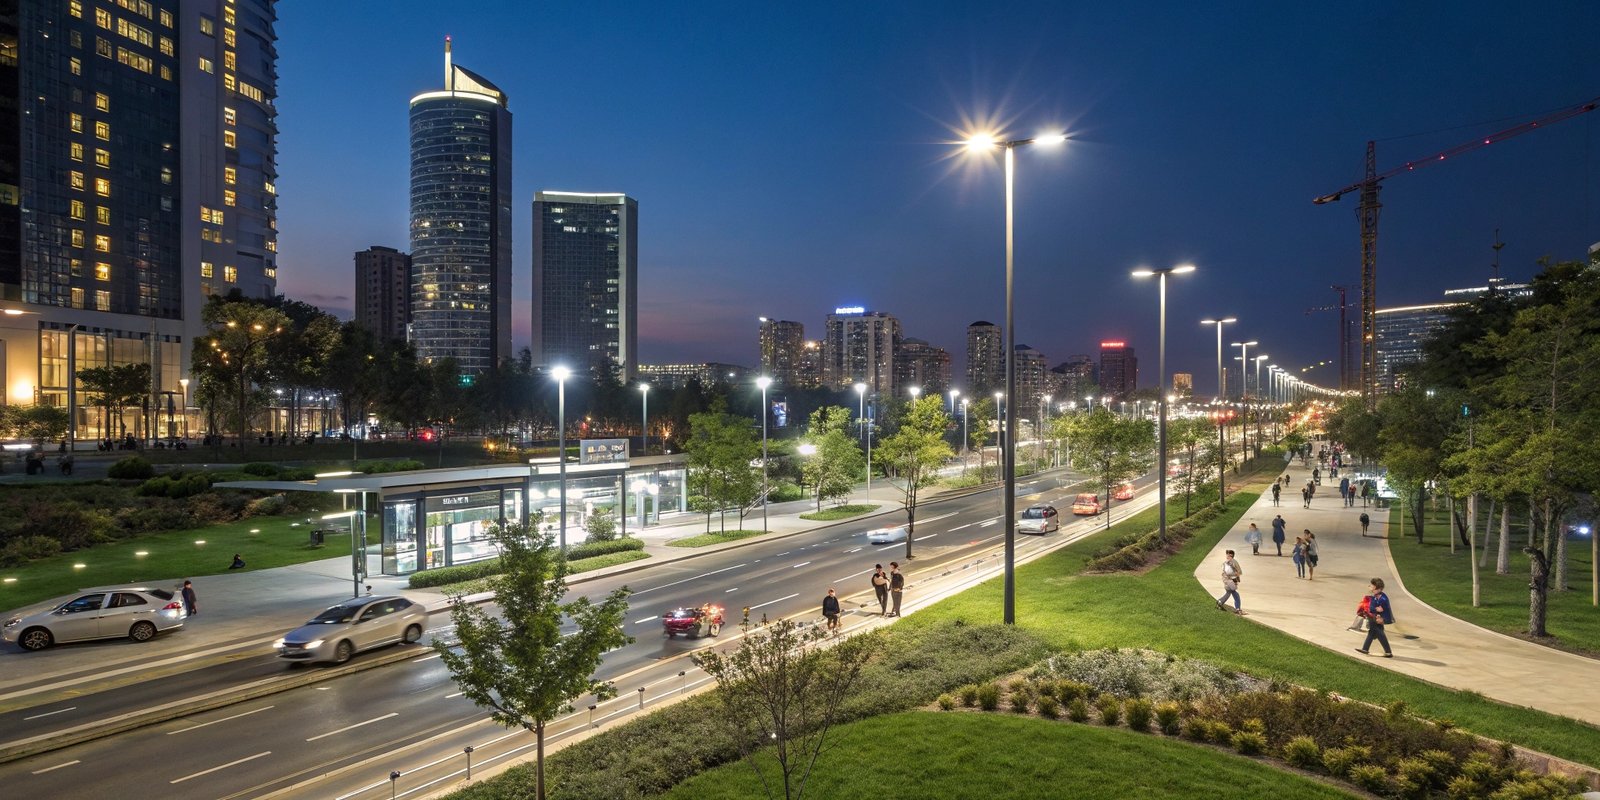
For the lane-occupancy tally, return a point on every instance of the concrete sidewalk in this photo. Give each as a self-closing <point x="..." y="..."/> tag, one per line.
<point x="1428" y="644"/>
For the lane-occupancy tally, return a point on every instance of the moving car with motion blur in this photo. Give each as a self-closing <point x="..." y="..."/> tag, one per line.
<point x="1039" y="519"/>
<point x="693" y="623"/>
<point x="137" y="613"/>
<point x="887" y="535"/>
<point x="357" y="624"/>
<point x="1123" y="492"/>
<point x="1086" y="505"/>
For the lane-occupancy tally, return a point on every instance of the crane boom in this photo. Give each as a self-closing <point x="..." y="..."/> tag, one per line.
<point x="1367" y="212"/>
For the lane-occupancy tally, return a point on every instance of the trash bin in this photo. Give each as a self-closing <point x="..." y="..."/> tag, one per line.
<point x="316" y="538"/>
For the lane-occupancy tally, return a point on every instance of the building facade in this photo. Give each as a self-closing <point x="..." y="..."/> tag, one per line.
<point x="1183" y="384"/>
<point x="1401" y="333"/>
<point x="922" y="365"/>
<point x="859" y="347"/>
<point x="1075" y="378"/>
<point x="782" y="344"/>
<point x="1119" y="371"/>
<point x="1033" y="383"/>
<point x="677" y="376"/>
<point x="586" y="281"/>
<point x="383" y="292"/>
<point x="461" y="221"/>
<point x="808" y="374"/>
<point x="986" y="359"/>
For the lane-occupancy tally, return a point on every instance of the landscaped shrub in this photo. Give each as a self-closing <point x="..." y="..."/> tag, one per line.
<point x="1338" y="761"/>
<point x="1221" y="733"/>
<point x="260" y="469"/>
<point x="1371" y="777"/>
<point x="1197" y="729"/>
<point x="1303" y="752"/>
<point x="784" y="492"/>
<point x="1142" y="673"/>
<point x="969" y="695"/>
<point x="947" y="702"/>
<point x="1169" y="717"/>
<point x="1110" y="709"/>
<point x="1249" y="743"/>
<point x="1078" y="710"/>
<point x="1415" y="777"/>
<point x="131" y="468"/>
<point x="1140" y="712"/>
<point x="989" y="696"/>
<point x="393" y="465"/>
<point x="1048" y="706"/>
<point x="1544" y="787"/>
<point x="592" y="549"/>
<point x="176" y="486"/>
<point x="1464" y="788"/>
<point x="27" y="548"/>
<point x="1021" y="701"/>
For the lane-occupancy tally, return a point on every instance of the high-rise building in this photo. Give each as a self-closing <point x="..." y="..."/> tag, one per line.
<point x="676" y="376"/>
<point x="859" y="346"/>
<point x="1183" y="384"/>
<point x="808" y="374"/>
<point x="586" y="281"/>
<point x="1119" y="371"/>
<point x="781" y="343"/>
<point x="921" y="365"/>
<point x="383" y="291"/>
<point x="1401" y="333"/>
<point x="461" y="221"/>
<point x="1032" y="370"/>
<point x="986" y="359"/>
<point x="1075" y="378"/>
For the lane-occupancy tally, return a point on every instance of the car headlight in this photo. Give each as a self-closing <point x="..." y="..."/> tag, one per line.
<point x="313" y="644"/>
<point x="278" y="643"/>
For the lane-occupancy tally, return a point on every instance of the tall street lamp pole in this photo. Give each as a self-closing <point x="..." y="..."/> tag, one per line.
<point x="866" y="426"/>
<point x="644" y="417"/>
<point x="561" y="374"/>
<point x="763" y="382"/>
<point x="1161" y="377"/>
<point x="1222" y="380"/>
<point x="1244" y="395"/>
<point x="1044" y="423"/>
<point x="966" y="440"/>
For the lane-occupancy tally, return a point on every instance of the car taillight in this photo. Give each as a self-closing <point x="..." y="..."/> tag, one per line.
<point x="172" y="606"/>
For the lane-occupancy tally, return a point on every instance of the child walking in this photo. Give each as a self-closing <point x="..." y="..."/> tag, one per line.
<point x="1300" y="556"/>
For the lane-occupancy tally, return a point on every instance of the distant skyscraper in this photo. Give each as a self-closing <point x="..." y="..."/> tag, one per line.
<point x="1032" y="369"/>
<point x="922" y="365"/>
<point x="781" y="344"/>
<point x="986" y="359"/>
<point x="586" y="280"/>
<point x="1119" y="370"/>
<point x="1401" y="333"/>
<point x="1183" y="384"/>
<point x="860" y="347"/>
<point x="383" y="291"/>
<point x="808" y="374"/>
<point x="1075" y="378"/>
<point x="461" y="221"/>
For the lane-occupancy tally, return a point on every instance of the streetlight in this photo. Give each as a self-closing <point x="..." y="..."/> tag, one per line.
<point x="1088" y="402"/>
<point x="184" y="383"/>
<point x="1222" y="380"/>
<point x="966" y="440"/>
<point x="561" y="374"/>
<point x="866" y="427"/>
<point x="1161" y="375"/>
<point x="644" y="416"/>
<point x="987" y="142"/>
<point x="1255" y="410"/>
<point x="1044" y="417"/>
<point x="1244" y="367"/>
<point x="763" y="382"/>
<point x="954" y="393"/>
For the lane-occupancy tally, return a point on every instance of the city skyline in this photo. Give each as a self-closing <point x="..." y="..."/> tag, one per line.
<point x="1196" y="137"/>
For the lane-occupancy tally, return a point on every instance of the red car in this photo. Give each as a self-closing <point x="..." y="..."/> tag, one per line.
<point x="692" y="622"/>
<point x="1124" y="492"/>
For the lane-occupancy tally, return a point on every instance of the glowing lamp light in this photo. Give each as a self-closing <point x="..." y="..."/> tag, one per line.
<point x="255" y="530"/>
<point x="982" y="141"/>
<point x="79" y="566"/>
<point x="199" y="542"/>
<point x="141" y="553"/>
<point x="10" y="580"/>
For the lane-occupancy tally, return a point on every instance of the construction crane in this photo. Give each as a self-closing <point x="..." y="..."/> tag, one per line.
<point x="1344" y="333"/>
<point x="1367" y="213"/>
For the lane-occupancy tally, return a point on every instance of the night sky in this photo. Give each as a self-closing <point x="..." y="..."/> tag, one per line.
<point x="789" y="158"/>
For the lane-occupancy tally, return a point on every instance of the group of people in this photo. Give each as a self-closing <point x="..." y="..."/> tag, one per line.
<point x="886" y="586"/>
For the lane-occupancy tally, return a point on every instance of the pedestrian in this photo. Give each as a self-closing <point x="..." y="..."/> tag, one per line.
<point x="1311" y="555"/>
<point x="1300" y="557"/>
<point x="1277" y="533"/>
<point x="1305" y="496"/>
<point x="897" y="586"/>
<point x="190" y="606"/>
<point x="238" y="562"/>
<point x="1366" y="493"/>
<point x="830" y="609"/>
<point x="1316" y="475"/>
<point x="1277" y="489"/>
<point x="1253" y="538"/>
<point x="1230" y="584"/>
<point x="368" y="593"/>
<point x="1344" y="491"/>
<point x="1362" y="610"/>
<point x="880" y="587"/>
<point x="1378" y="615"/>
<point x="1365" y="521"/>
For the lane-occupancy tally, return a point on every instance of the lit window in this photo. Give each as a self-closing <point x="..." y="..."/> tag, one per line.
<point x="230" y="139"/>
<point x="75" y="65"/>
<point x="227" y="16"/>
<point x="75" y="178"/>
<point x="102" y="215"/>
<point x="230" y="175"/>
<point x="166" y="18"/>
<point x="102" y="187"/>
<point x="271" y="272"/>
<point x="138" y="61"/>
<point x="75" y="122"/>
<point x="230" y="274"/>
<point x="102" y="18"/>
<point x="251" y="92"/>
<point x="77" y="209"/>
<point x="102" y="300"/>
<point x="102" y="157"/>
<point x="102" y="131"/>
<point x="205" y="214"/>
<point x="75" y="8"/>
<point x="228" y="82"/>
<point x="208" y="26"/>
<point x="166" y="46"/>
<point x="134" y="32"/>
<point x="272" y="246"/>
<point x="166" y="175"/>
<point x="166" y="72"/>
<point x="229" y="197"/>
<point x="102" y="243"/>
<point x="76" y="151"/>
<point x="77" y="237"/>
<point x="216" y="218"/>
<point x="205" y="64"/>
<point x="230" y="116"/>
<point x="77" y="297"/>
<point x="206" y="269"/>
<point x="228" y="60"/>
<point x="228" y="37"/>
<point x="102" y="101"/>
<point x="268" y="185"/>
<point x="102" y="271"/>
<point x="77" y="267"/>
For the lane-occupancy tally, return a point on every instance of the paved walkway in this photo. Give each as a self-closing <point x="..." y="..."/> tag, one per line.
<point x="1428" y="644"/>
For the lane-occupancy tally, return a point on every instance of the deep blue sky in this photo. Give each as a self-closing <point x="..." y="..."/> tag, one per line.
<point x="789" y="158"/>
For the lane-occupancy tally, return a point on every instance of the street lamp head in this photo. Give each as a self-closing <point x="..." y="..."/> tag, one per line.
<point x="644" y="388"/>
<point x="1143" y="272"/>
<point x="981" y="142"/>
<point x="861" y="388"/>
<point x="1182" y="269"/>
<point x="998" y="395"/>
<point x="916" y="391"/>
<point x="763" y="382"/>
<point x="1050" y="138"/>
<point x="955" y="393"/>
<point x="1244" y="344"/>
<point x="1047" y="398"/>
<point x="560" y="373"/>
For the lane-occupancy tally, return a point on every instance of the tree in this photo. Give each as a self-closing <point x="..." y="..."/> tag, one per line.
<point x="915" y="453"/>
<point x="233" y="361"/>
<point x="835" y="460"/>
<point x="36" y="423"/>
<point x="522" y="666"/>
<point x="781" y="689"/>
<point x="1111" y="449"/>
<point x="980" y="416"/>
<point x="116" y="387"/>
<point x="1190" y="438"/>
<point x="1414" y="426"/>
<point x="722" y="450"/>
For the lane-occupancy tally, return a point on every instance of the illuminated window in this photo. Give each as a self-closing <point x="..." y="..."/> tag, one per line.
<point x="102" y="271"/>
<point x="102" y="101"/>
<point x="229" y="198"/>
<point x="228" y="60"/>
<point x="228" y="82"/>
<point x="205" y="214"/>
<point x="227" y="16"/>
<point x="166" y="72"/>
<point x="102" y="187"/>
<point x="102" y="300"/>
<point x="75" y="122"/>
<point x="102" y="47"/>
<point x="102" y="131"/>
<point x="271" y="272"/>
<point x="134" y="32"/>
<point x="230" y="116"/>
<point x="143" y="63"/>
<point x="251" y="92"/>
<point x="230" y="139"/>
<point x="102" y="18"/>
<point x="230" y="274"/>
<point x="77" y="237"/>
<point x="206" y="269"/>
<point x="77" y="267"/>
<point x="229" y="175"/>
<point x="228" y="37"/>
<point x="75" y="178"/>
<point x="77" y="297"/>
<point x="205" y="64"/>
<point x="102" y="243"/>
<point x="75" y="65"/>
<point x="208" y="26"/>
<point x="166" y="18"/>
<point x="102" y="157"/>
<point x="75" y="8"/>
<point x="77" y="209"/>
<point x="76" y="151"/>
<point x="166" y="46"/>
<point x="166" y="175"/>
<point x="272" y="246"/>
<point x="216" y="218"/>
<point x="102" y="215"/>
<point x="268" y="185"/>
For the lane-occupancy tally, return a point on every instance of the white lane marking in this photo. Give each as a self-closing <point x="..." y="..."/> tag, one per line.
<point x="857" y="550"/>
<point x="961" y="527"/>
<point x="50" y="713"/>
<point x="786" y="552"/>
<point x="941" y="516"/>
<point x="58" y="766"/>
<point x="224" y="766"/>
<point x="929" y="536"/>
<point x="848" y="577"/>
<point x="686" y="580"/>
<point x="734" y="589"/>
<point x="646" y="619"/>
<point x="426" y="658"/>
<point x="986" y="523"/>
<point x="452" y="696"/>
<point x="779" y="600"/>
<point x="799" y="565"/>
<point x="353" y="727"/>
<point x="215" y="721"/>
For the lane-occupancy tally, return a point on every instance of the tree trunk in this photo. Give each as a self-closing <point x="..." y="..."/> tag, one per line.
<point x="1502" y="562"/>
<point x="1488" y="525"/>
<point x="1556" y="530"/>
<point x="538" y="761"/>
<point x="1472" y="543"/>
<point x="1538" y="584"/>
<point x="1417" y="512"/>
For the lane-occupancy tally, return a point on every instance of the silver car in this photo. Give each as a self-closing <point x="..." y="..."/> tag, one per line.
<point x="137" y="613"/>
<point x="887" y="535"/>
<point x="361" y="623"/>
<point x="1039" y="519"/>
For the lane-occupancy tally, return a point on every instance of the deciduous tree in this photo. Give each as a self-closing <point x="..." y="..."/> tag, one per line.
<point x="913" y="455"/>
<point x="834" y="462"/>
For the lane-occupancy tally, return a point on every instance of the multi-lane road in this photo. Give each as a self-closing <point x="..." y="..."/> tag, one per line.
<point x="341" y="738"/>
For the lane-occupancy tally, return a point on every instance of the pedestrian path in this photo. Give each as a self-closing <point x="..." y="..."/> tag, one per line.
<point x="1428" y="644"/>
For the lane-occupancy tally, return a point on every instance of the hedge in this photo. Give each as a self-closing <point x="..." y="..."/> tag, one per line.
<point x="1131" y="551"/>
<point x="440" y="576"/>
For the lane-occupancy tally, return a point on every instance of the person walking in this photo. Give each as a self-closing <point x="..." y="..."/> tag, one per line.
<point x="1316" y="475"/>
<point x="1305" y="496"/>
<point x="897" y="586"/>
<point x="1230" y="584"/>
<point x="1344" y="491"/>
<point x="880" y="587"/>
<point x="1252" y="537"/>
<point x="1366" y="493"/>
<point x="1277" y="533"/>
<point x="191" y="605"/>
<point x="830" y="610"/>
<point x="1300" y="557"/>
<point x="1277" y="489"/>
<point x="1311" y="555"/>
<point x="1365" y="521"/>
<point x="1378" y="615"/>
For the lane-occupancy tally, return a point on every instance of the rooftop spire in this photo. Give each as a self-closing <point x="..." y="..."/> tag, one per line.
<point x="449" y="83"/>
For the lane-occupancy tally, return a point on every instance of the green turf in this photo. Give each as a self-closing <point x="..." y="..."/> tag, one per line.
<point x="475" y="585"/>
<point x="1166" y="609"/>
<point x="1444" y="580"/>
<point x="839" y="512"/>
<point x="960" y="755"/>
<point x="714" y="537"/>
<point x="172" y="556"/>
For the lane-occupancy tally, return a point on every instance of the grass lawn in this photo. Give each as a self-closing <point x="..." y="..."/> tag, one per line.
<point x="1444" y="580"/>
<point x="1166" y="609"/>
<point x="714" y="537"/>
<point x="476" y="585"/>
<point x="958" y="755"/>
<point x="170" y="556"/>
<point x="839" y="512"/>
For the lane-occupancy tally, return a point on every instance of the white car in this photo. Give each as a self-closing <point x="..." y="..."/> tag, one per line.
<point x="137" y="613"/>
<point x="888" y="535"/>
<point x="362" y="623"/>
<point x="1039" y="519"/>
